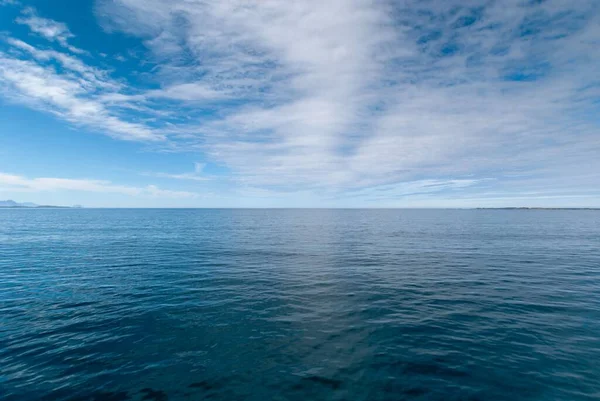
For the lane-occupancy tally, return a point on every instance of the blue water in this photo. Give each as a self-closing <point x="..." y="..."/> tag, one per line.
<point x="112" y="305"/>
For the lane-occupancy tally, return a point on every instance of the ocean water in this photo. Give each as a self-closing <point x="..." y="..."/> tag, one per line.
<point x="113" y="305"/>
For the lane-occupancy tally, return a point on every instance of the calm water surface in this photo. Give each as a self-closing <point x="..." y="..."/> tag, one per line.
<point x="112" y="305"/>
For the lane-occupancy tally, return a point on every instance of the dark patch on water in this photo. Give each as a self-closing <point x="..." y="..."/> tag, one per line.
<point x="204" y="385"/>
<point x="324" y="381"/>
<point x="108" y="396"/>
<point x="415" y="392"/>
<point x="98" y="396"/>
<point x="432" y="369"/>
<point x="154" y="395"/>
<point x="320" y="381"/>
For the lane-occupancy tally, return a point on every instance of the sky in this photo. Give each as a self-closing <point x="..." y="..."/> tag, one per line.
<point x="279" y="103"/>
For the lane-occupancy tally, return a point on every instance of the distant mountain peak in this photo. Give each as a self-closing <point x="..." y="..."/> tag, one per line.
<point x="9" y="203"/>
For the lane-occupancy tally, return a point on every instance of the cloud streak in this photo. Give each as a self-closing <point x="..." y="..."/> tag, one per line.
<point x="73" y="94"/>
<point x="196" y="175"/>
<point x="49" y="29"/>
<point x="17" y="183"/>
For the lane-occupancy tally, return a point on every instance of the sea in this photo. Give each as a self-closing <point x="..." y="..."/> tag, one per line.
<point x="299" y="304"/>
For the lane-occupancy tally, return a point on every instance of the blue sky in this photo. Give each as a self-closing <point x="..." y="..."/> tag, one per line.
<point x="274" y="103"/>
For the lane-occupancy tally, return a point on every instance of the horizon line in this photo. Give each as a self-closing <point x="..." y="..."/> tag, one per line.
<point x="318" y="208"/>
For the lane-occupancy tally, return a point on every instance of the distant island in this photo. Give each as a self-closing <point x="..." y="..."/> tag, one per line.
<point x="11" y="204"/>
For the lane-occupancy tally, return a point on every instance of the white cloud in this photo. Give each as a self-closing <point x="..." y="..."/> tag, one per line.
<point x="74" y="95"/>
<point x="187" y="92"/>
<point x="196" y="175"/>
<point x="152" y="190"/>
<point x="412" y="188"/>
<point x="17" y="183"/>
<point x="49" y="29"/>
<point x="94" y="77"/>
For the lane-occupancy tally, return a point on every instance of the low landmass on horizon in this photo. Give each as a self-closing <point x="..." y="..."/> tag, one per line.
<point x="11" y="204"/>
